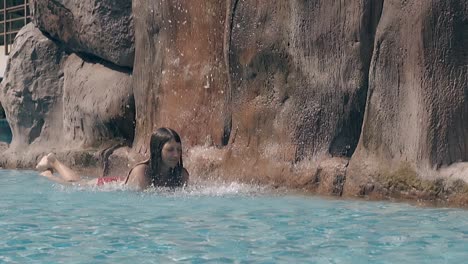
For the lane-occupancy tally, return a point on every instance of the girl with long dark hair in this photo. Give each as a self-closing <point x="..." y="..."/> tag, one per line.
<point x="164" y="167"/>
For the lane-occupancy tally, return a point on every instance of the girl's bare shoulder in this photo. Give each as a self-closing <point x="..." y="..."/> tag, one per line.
<point x="137" y="176"/>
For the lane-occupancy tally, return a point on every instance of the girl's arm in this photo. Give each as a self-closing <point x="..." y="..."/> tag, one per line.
<point x="49" y="175"/>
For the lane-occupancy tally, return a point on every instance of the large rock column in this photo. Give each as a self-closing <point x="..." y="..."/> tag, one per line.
<point x="417" y="111"/>
<point x="299" y="74"/>
<point x="180" y="77"/>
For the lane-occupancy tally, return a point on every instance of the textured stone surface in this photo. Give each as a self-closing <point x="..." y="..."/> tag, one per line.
<point x="103" y="28"/>
<point x="290" y="83"/>
<point x="31" y="91"/>
<point x="297" y="88"/>
<point x="62" y="103"/>
<point x="98" y="104"/>
<point x="417" y="109"/>
<point x="179" y="75"/>
<point x="299" y="78"/>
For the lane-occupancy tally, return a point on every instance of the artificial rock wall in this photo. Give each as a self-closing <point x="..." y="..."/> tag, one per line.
<point x="342" y="97"/>
<point x="417" y="110"/>
<point x="336" y="96"/>
<point x="68" y="89"/>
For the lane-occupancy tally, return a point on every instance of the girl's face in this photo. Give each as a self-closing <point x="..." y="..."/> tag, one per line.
<point x="171" y="153"/>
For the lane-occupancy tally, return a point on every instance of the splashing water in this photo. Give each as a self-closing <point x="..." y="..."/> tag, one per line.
<point x="41" y="222"/>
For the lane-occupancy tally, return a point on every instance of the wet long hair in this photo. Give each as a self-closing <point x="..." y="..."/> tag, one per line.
<point x="160" y="137"/>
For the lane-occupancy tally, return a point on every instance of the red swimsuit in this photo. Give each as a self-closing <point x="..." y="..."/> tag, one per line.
<point x="108" y="179"/>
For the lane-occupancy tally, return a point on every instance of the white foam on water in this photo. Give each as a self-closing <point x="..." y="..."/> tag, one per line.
<point x="204" y="188"/>
<point x="216" y="189"/>
<point x="108" y="187"/>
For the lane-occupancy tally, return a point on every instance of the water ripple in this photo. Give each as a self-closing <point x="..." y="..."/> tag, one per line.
<point x="217" y="223"/>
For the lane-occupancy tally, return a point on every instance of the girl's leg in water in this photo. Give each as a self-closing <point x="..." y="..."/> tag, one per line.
<point x="50" y="162"/>
<point x="49" y="175"/>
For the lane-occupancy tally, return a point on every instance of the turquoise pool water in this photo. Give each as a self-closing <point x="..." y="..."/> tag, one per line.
<point x="41" y="222"/>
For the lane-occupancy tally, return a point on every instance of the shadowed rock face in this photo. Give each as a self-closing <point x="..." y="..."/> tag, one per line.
<point x="417" y="109"/>
<point x="103" y="28"/>
<point x="299" y="75"/>
<point x="2" y="112"/>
